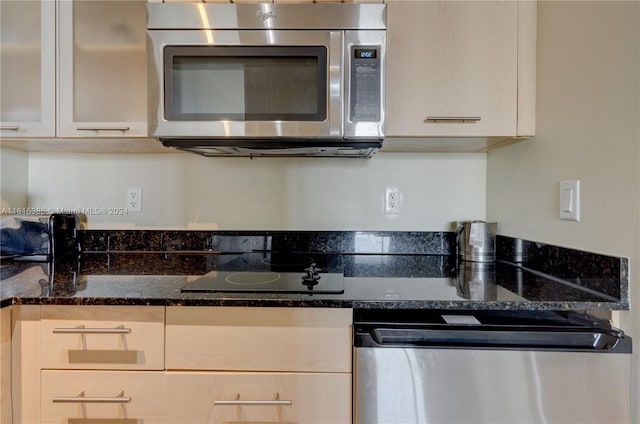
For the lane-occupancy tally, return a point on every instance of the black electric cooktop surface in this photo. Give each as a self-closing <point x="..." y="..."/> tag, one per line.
<point x="272" y="272"/>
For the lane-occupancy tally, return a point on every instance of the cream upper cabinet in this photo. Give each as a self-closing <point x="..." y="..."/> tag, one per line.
<point x="91" y="82"/>
<point x="453" y="68"/>
<point x="27" y="68"/>
<point x="102" y="69"/>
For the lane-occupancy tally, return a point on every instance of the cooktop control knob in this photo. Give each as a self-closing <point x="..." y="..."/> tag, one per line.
<point x="312" y="276"/>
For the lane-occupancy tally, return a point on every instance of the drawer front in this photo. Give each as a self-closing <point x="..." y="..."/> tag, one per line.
<point x="259" y="339"/>
<point x="124" y="397"/>
<point x="211" y="397"/>
<point x="102" y="337"/>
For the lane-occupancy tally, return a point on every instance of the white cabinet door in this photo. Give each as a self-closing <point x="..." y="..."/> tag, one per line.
<point x="452" y="68"/>
<point x="213" y="397"/>
<point x="27" y="68"/>
<point x="102" y="69"/>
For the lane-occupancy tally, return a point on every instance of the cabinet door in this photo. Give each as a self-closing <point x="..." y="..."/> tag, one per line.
<point x="27" y="68"/>
<point x="102" y="69"/>
<point x="102" y="397"/>
<point x="451" y="60"/>
<point x="258" y="397"/>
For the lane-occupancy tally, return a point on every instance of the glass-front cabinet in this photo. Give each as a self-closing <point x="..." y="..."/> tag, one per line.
<point x="102" y="68"/>
<point x="27" y="68"/>
<point x="73" y="68"/>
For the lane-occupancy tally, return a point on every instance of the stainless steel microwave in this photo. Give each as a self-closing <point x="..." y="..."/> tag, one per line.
<point x="267" y="79"/>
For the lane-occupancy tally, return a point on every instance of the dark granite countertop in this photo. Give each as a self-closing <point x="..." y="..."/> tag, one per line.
<point x="371" y="281"/>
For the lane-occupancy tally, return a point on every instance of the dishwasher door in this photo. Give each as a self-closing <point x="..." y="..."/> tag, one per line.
<point x="543" y="372"/>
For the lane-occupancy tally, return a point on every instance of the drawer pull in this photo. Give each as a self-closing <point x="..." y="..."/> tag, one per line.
<point x="10" y="128"/>
<point x="81" y="398"/>
<point x="435" y="119"/>
<point x="238" y="402"/>
<point x="83" y="330"/>
<point x="103" y="129"/>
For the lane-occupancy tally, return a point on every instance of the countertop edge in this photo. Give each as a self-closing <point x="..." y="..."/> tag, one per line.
<point x="324" y="303"/>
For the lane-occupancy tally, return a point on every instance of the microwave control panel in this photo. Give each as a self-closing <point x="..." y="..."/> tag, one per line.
<point x="366" y="83"/>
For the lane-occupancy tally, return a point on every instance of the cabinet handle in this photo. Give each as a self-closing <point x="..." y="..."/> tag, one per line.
<point x="9" y="128"/>
<point x="471" y="119"/>
<point x="81" y="398"/>
<point x="103" y="128"/>
<point x="82" y="330"/>
<point x="237" y="402"/>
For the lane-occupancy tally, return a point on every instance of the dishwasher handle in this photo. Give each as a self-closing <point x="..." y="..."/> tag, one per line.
<point x="505" y="339"/>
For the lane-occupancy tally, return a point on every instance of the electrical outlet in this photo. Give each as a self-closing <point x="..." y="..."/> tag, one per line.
<point x="392" y="199"/>
<point x="134" y="200"/>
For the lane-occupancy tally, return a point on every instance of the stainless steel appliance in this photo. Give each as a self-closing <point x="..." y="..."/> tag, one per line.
<point x="274" y="272"/>
<point x="489" y="367"/>
<point x="267" y="79"/>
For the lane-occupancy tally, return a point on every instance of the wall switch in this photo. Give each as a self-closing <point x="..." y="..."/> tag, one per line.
<point x="570" y="200"/>
<point x="134" y="199"/>
<point x="392" y="199"/>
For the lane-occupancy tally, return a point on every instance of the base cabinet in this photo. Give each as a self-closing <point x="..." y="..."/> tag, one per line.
<point x="258" y="339"/>
<point x="102" y="337"/>
<point x="214" y="397"/>
<point x="5" y="365"/>
<point x="102" y="396"/>
<point x="151" y="364"/>
<point x="258" y="365"/>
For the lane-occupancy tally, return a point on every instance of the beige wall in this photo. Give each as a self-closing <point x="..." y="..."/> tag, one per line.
<point x="187" y="190"/>
<point x="588" y="128"/>
<point x="14" y="171"/>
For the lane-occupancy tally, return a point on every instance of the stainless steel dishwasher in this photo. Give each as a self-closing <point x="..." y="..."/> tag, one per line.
<point x="489" y="367"/>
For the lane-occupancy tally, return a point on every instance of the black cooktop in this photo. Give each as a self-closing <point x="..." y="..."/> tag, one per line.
<point x="274" y="272"/>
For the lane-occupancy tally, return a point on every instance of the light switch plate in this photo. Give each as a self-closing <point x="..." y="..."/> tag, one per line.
<point x="570" y="200"/>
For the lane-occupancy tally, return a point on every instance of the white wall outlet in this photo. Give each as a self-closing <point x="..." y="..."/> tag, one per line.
<point x="392" y="200"/>
<point x="134" y="199"/>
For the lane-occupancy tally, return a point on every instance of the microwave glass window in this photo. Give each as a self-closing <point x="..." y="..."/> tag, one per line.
<point x="245" y="83"/>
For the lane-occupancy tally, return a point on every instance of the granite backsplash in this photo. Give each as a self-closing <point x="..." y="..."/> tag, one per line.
<point x="382" y="269"/>
<point x="603" y="274"/>
<point x="590" y="271"/>
<point x="346" y="242"/>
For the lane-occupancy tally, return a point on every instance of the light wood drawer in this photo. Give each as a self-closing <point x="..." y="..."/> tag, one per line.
<point x="109" y="396"/>
<point x="259" y="339"/>
<point x="215" y="397"/>
<point x="102" y="337"/>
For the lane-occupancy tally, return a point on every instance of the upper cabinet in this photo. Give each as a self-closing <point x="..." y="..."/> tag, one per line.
<point x="27" y="68"/>
<point x="460" y="69"/>
<point x="102" y="69"/>
<point x="460" y="75"/>
<point x="94" y="87"/>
